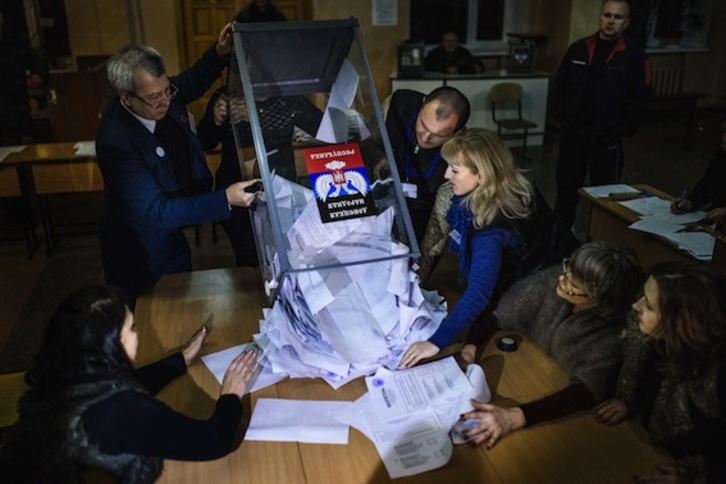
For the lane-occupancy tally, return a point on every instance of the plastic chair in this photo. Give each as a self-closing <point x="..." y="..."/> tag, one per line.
<point x="505" y="96"/>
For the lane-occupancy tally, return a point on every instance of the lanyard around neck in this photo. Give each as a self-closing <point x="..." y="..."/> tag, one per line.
<point x="437" y="157"/>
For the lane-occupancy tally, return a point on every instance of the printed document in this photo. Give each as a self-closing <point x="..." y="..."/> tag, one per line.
<point x="307" y="421"/>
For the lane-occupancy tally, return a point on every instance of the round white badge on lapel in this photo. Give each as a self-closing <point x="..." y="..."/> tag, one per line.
<point x="160" y="151"/>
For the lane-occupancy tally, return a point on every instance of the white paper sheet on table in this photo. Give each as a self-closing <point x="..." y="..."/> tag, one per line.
<point x="658" y="207"/>
<point x="603" y="191"/>
<point x="307" y="421"/>
<point x="219" y="362"/>
<point x="6" y="151"/>
<point x="85" y="148"/>
<point x="410" y="445"/>
<point x="419" y="441"/>
<point x="398" y="393"/>
<point x="698" y="244"/>
<point x="450" y="409"/>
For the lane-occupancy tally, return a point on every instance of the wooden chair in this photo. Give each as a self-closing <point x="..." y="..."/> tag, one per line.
<point x="504" y="97"/>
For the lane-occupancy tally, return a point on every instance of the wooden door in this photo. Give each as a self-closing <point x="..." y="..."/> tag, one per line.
<point x="203" y="19"/>
<point x="75" y="105"/>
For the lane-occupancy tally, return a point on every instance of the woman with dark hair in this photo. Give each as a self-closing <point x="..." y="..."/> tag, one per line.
<point x="673" y="377"/>
<point x="87" y="409"/>
<point x="575" y="313"/>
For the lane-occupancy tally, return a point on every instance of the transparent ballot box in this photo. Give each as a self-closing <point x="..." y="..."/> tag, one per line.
<point x="310" y="110"/>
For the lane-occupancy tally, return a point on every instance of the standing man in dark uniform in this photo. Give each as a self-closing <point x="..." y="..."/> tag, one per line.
<point x="599" y="95"/>
<point x="417" y="126"/>
<point x="155" y="175"/>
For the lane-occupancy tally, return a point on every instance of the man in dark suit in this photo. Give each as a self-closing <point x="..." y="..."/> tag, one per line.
<point x="156" y="180"/>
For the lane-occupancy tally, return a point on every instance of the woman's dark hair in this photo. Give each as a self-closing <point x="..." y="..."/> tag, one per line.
<point x="82" y="341"/>
<point x="691" y="304"/>
<point x="611" y="274"/>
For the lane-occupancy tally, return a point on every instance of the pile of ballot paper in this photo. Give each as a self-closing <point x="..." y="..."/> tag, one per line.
<point x="351" y="317"/>
<point x="407" y="414"/>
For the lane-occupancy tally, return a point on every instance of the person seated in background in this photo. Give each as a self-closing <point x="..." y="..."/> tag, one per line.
<point x="709" y="193"/>
<point x="155" y="175"/>
<point x="88" y="409"/>
<point x="279" y="116"/>
<point x="418" y="125"/>
<point x="673" y="377"/>
<point x="500" y="228"/>
<point x="575" y="313"/>
<point x="451" y="57"/>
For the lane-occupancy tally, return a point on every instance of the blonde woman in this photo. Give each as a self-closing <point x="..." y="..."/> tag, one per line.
<point x="496" y="222"/>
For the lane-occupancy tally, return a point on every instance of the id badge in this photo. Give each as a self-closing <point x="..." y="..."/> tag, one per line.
<point x="455" y="236"/>
<point x="410" y="190"/>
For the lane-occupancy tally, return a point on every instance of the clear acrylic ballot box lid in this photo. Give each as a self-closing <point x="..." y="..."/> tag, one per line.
<point x="310" y="109"/>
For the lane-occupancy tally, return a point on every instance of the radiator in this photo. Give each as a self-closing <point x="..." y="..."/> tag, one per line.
<point x="667" y="81"/>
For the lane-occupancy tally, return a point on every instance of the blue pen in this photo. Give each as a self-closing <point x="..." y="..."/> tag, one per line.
<point x="683" y="196"/>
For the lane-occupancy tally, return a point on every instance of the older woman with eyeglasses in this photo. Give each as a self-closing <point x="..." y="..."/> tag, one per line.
<point x="576" y="313"/>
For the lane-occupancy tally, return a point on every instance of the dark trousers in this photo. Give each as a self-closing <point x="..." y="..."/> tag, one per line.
<point x="578" y="155"/>
<point x="238" y="228"/>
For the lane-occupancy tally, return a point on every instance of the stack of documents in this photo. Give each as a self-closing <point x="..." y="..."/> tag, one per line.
<point x="657" y="218"/>
<point x="605" y="191"/>
<point x="407" y="414"/>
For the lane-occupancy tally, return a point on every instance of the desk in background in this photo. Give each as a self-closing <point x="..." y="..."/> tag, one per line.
<point x="609" y="221"/>
<point x="574" y="449"/>
<point x="50" y="169"/>
<point x="476" y="88"/>
<point x="15" y="183"/>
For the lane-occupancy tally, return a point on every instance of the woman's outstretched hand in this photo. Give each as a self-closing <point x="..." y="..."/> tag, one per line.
<point x="417" y="352"/>
<point x="494" y="423"/>
<point x="239" y="373"/>
<point x="191" y="349"/>
<point x="610" y="412"/>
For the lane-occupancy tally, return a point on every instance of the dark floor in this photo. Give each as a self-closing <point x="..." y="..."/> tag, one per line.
<point x="665" y="153"/>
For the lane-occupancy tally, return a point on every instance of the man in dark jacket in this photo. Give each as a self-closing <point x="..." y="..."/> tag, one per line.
<point x="155" y="176"/>
<point x="417" y="125"/>
<point x="600" y="92"/>
<point x="451" y="57"/>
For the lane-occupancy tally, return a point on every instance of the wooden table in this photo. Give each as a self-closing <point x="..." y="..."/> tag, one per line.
<point x="609" y="220"/>
<point x="49" y="168"/>
<point x="574" y="449"/>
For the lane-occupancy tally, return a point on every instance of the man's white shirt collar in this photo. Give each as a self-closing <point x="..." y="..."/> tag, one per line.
<point x="150" y="124"/>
